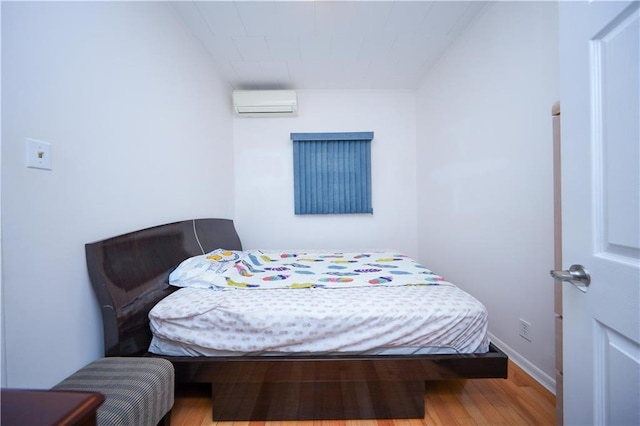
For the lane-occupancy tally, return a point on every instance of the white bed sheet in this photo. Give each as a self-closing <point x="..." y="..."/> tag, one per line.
<point x="432" y="319"/>
<point x="171" y="348"/>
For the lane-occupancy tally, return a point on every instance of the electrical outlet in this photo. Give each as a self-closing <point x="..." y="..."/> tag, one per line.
<point x="525" y="329"/>
<point x="38" y="154"/>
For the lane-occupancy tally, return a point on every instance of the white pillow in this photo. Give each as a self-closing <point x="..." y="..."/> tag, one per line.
<point x="204" y="271"/>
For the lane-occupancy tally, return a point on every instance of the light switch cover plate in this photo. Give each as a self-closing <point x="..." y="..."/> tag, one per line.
<point x="38" y="154"/>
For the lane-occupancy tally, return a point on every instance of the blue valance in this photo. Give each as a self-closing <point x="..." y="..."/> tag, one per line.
<point x="351" y="136"/>
<point x="332" y="172"/>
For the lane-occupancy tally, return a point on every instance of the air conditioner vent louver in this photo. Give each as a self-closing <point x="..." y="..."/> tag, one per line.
<point x="265" y="103"/>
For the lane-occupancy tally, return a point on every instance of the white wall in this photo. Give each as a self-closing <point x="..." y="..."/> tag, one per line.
<point x="263" y="154"/>
<point x="141" y="129"/>
<point x="485" y="198"/>
<point x="137" y="117"/>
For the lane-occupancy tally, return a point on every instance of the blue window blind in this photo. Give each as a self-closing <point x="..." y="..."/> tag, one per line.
<point x="332" y="172"/>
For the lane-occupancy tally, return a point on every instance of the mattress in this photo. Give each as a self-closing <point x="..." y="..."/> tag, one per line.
<point x="257" y="303"/>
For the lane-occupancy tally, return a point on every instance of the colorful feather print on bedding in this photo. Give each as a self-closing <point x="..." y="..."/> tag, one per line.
<point x="255" y="270"/>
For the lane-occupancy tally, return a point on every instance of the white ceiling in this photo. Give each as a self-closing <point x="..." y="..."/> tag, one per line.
<point x="326" y="44"/>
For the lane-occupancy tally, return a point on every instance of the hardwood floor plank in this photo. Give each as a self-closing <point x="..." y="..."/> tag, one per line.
<point x="518" y="409"/>
<point x="457" y="409"/>
<point x="539" y="404"/>
<point x="439" y="408"/>
<point x="475" y="411"/>
<point x="483" y="400"/>
<point x="522" y="379"/>
<point x="431" y="418"/>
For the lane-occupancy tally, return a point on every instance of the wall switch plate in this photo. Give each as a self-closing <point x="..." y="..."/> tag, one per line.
<point x="38" y="154"/>
<point x="525" y="329"/>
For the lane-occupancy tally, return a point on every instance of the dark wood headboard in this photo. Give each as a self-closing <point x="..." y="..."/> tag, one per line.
<point x="130" y="274"/>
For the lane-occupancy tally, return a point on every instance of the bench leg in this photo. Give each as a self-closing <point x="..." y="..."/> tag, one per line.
<point x="166" y="420"/>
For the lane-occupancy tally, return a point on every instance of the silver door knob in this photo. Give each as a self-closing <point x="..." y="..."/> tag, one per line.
<point x="576" y="275"/>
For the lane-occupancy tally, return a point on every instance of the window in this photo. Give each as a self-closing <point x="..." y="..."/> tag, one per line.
<point x="332" y="172"/>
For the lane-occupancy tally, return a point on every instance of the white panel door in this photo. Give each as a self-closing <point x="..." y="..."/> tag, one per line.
<point x="600" y="99"/>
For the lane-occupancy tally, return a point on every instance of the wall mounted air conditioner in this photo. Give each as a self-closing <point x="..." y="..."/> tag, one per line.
<point x="265" y="103"/>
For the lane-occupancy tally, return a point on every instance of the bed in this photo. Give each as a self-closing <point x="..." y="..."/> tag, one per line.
<point x="131" y="273"/>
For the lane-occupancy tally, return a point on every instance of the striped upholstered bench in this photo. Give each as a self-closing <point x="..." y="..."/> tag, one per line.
<point x="138" y="391"/>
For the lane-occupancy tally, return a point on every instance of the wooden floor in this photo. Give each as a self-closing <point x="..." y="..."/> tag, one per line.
<point x="518" y="400"/>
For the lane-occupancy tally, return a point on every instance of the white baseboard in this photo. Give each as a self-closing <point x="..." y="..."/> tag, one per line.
<point x="540" y="376"/>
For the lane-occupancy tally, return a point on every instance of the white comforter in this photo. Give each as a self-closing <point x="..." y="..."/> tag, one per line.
<point x="322" y="320"/>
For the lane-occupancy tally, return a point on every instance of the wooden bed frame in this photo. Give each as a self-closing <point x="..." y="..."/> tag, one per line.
<point x="129" y="274"/>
